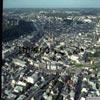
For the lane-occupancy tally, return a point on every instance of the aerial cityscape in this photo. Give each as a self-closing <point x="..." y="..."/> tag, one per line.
<point x="51" y="54"/>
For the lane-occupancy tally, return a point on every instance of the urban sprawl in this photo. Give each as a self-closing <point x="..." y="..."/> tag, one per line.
<point x="59" y="59"/>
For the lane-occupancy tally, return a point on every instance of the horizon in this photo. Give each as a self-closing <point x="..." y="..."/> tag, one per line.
<point x="55" y="8"/>
<point x="51" y="4"/>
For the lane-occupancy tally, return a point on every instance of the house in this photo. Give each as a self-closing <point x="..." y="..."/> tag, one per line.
<point x="19" y="62"/>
